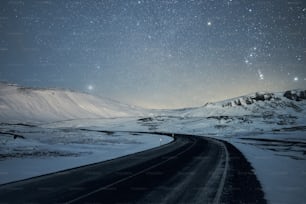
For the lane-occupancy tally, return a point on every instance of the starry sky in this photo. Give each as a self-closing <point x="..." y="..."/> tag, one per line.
<point x="155" y="53"/>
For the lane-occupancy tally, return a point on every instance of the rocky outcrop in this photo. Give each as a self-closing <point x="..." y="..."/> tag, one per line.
<point x="295" y="95"/>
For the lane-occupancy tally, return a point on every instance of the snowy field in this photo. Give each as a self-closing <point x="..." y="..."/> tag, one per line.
<point x="37" y="151"/>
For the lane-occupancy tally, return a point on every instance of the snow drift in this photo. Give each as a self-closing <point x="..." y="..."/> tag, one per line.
<point x="29" y="105"/>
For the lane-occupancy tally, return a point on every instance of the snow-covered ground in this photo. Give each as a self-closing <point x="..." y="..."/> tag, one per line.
<point x="269" y="129"/>
<point x="37" y="151"/>
<point x="279" y="165"/>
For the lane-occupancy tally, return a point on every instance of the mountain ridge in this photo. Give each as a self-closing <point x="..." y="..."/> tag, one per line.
<point x="257" y="104"/>
<point x="36" y="104"/>
<point x="19" y="103"/>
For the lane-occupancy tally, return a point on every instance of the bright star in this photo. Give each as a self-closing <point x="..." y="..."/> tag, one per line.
<point x="299" y="58"/>
<point x="90" y="87"/>
<point x="209" y="23"/>
<point x="296" y="79"/>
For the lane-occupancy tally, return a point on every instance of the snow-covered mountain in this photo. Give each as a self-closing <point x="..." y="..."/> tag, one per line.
<point x="257" y="104"/>
<point x="249" y="114"/>
<point x="31" y="104"/>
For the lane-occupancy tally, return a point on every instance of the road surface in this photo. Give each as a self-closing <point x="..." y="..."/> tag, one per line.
<point x="190" y="169"/>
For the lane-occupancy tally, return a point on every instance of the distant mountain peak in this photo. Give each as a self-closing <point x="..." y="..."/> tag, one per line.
<point x="294" y="95"/>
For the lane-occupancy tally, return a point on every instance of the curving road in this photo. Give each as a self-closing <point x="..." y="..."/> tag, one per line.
<point x="190" y="169"/>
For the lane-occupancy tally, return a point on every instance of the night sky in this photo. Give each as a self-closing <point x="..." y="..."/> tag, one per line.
<point x="156" y="54"/>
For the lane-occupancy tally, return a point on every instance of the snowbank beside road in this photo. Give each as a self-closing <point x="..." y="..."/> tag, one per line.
<point x="46" y="150"/>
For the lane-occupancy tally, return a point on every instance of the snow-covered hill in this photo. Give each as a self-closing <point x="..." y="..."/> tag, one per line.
<point x="257" y="104"/>
<point x="29" y="104"/>
<point x="250" y="114"/>
<point x="32" y="104"/>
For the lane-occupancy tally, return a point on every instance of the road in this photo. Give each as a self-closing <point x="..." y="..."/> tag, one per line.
<point x="190" y="169"/>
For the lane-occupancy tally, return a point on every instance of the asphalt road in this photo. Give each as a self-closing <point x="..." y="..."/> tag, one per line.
<point x="191" y="169"/>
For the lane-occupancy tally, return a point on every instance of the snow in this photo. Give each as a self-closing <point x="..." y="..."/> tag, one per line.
<point x="282" y="172"/>
<point x="37" y="105"/>
<point x="47" y="150"/>
<point x="268" y="128"/>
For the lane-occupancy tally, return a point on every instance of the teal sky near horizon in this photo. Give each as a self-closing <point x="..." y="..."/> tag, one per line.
<point x="155" y="54"/>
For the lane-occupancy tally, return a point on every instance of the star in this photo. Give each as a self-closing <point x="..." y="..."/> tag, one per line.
<point x="260" y="74"/>
<point x="246" y="61"/>
<point x="299" y="58"/>
<point x="121" y="46"/>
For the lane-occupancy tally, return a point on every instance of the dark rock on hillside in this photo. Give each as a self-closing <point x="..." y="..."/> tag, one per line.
<point x="238" y="102"/>
<point x="259" y="97"/>
<point x="248" y="101"/>
<point x="295" y="95"/>
<point x="303" y="94"/>
<point x="263" y="96"/>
